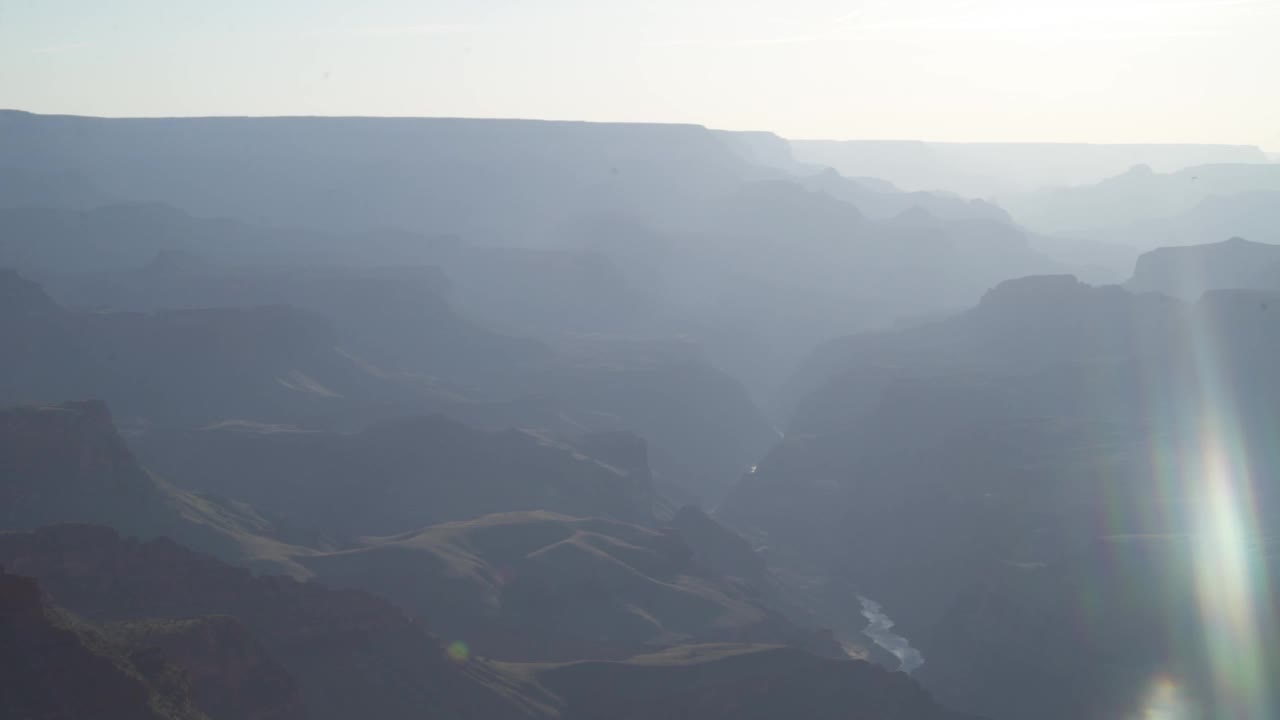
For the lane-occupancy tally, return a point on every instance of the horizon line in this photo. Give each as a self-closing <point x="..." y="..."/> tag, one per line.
<point x="1107" y="143"/>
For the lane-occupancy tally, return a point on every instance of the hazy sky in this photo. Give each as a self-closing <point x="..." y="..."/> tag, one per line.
<point x="1083" y="70"/>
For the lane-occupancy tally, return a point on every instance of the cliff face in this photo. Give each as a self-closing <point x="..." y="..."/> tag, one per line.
<point x="189" y="366"/>
<point x="68" y="464"/>
<point x="55" y="667"/>
<point x="77" y="441"/>
<point x="20" y="296"/>
<point x="353" y="655"/>
<point x="232" y="675"/>
<point x="1187" y="272"/>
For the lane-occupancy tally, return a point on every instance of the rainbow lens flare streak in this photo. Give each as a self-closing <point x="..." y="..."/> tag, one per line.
<point x="1230" y="578"/>
<point x="1229" y="567"/>
<point x="1165" y="700"/>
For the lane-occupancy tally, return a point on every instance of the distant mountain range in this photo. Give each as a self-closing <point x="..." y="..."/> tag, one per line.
<point x="339" y="418"/>
<point x="562" y="231"/>
<point x="986" y="170"/>
<point x="1141" y="194"/>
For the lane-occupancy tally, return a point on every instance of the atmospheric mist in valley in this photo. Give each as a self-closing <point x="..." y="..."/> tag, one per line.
<point x="702" y="360"/>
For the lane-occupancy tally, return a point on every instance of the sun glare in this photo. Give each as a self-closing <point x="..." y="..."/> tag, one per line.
<point x="1230" y="573"/>
<point x="1166" y="701"/>
<point x="1231" y="587"/>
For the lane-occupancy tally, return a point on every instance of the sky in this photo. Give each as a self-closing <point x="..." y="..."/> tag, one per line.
<point x="955" y="70"/>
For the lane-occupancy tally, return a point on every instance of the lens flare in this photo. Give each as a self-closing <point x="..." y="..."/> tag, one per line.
<point x="1166" y="701"/>
<point x="458" y="651"/>
<point x="1231" y="587"/>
